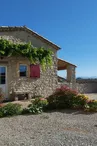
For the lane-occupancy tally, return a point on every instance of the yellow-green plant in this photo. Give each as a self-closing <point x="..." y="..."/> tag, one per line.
<point x="91" y="105"/>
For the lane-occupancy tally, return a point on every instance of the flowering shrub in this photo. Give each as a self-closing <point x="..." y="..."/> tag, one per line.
<point x="91" y="105"/>
<point x="65" y="97"/>
<point x="79" y="101"/>
<point x="40" y="102"/>
<point x="61" y="98"/>
<point x="37" y="106"/>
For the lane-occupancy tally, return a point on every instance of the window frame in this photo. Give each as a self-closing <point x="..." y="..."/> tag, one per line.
<point x="4" y="75"/>
<point x="26" y="70"/>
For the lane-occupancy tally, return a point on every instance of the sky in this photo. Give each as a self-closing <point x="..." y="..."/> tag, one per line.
<point x="71" y="24"/>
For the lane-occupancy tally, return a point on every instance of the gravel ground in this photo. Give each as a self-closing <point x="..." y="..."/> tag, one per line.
<point x="64" y="128"/>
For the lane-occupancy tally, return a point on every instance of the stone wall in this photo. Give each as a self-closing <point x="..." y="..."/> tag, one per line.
<point x="82" y="86"/>
<point x="45" y="85"/>
<point x="87" y="86"/>
<point x="48" y="81"/>
<point x="67" y="84"/>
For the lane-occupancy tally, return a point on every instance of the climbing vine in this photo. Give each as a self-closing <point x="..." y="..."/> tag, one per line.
<point x="35" y="55"/>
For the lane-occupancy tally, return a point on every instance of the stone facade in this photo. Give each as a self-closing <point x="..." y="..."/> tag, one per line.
<point x="48" y="81"/>
<point x="45" y="85"/>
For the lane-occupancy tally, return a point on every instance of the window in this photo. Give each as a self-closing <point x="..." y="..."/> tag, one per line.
<point x="2" y="75"/>
<point x="23" y="70"/>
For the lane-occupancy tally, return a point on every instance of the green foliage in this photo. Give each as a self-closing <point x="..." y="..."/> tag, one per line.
<point x="37" y="106"/>
<point x="10" y="110"/>
<point x="42" y="102"/>
<point x="35" y="55"/>
<point x="1" y="113"/>
<point x="91" y="105"/>
<point x="61" y="98"/>
<point x="65" y="97"/>
<point x="79" y="101"/>
<point x="35" y="109"/>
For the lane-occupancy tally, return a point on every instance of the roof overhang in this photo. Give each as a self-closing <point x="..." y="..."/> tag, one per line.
<point x="62" y="64"/>
<point x="24" y="28"/>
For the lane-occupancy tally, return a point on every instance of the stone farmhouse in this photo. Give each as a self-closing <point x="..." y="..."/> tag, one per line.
<point x="18" y="77"/>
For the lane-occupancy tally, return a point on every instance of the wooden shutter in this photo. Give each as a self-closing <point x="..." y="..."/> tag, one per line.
<point x="35" y="71"/>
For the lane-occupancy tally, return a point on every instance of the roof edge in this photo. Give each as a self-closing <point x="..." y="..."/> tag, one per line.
<point x="66" y="62"/>
<point x="24" y="28"/>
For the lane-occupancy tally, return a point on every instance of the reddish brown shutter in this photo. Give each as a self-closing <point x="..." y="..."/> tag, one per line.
<point x="35" y="71"/>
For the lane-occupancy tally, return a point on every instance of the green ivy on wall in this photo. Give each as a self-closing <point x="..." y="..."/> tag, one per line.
<point x="35" y="55"/>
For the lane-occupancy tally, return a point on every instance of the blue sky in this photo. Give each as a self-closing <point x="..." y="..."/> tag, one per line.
<point x="72" y="24"/>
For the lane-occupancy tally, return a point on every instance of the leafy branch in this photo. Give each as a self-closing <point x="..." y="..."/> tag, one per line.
<point x="35" y="55"/>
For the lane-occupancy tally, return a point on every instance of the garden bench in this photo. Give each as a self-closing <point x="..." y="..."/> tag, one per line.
<point x="18" y="95"/>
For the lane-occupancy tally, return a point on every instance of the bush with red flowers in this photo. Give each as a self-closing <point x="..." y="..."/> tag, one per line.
<point x="65" y="97"/>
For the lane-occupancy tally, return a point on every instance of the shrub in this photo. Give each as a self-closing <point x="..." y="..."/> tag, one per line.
<point x="40" y="102"/>
<point x="79" y="101"/>
<point x="1" y="113"/>
<point x="91" y="105"/>
<point x="35" y="109"/>
<point x="10" y="110"/>
<point x="37" y="106"/>
<point x="61" y="98"/>
<point x="65" y="97"/>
